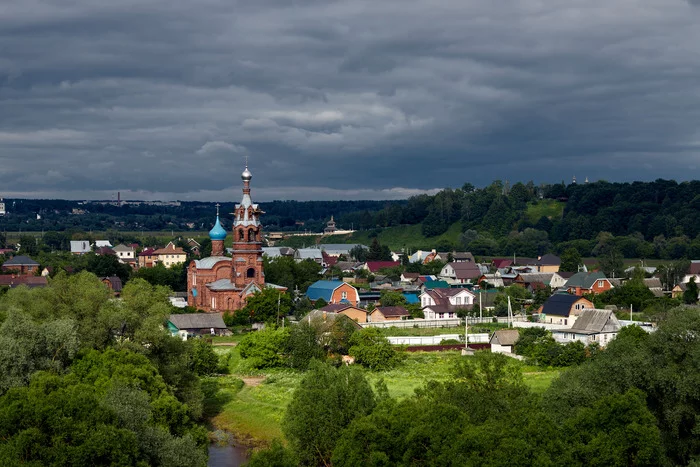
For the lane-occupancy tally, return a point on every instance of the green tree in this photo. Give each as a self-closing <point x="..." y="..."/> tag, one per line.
<point x="570" y="260"/>
<point x="690" y="295"/>
<point x="326" y="401"/>
<point x="610" y="261"/>
<point x="204" y="360"/>
<point x="268" y="304"/>
<point x="371" y="349"/>
<point x="266" y="348"/>
<point x="392" y="298"/>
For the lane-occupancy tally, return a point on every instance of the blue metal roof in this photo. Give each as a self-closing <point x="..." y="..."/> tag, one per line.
<point x="322" y="289"/>
<point x="218" y="232"/>
<point x="411" y="298"/>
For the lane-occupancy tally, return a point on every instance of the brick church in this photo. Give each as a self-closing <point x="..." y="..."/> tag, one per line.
<point x="221" y="283"/>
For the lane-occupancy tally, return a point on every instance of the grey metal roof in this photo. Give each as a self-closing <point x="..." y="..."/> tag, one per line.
<point x="20" y="261"/>
<point x="594" y="321"/>
<point x="308" y="253"/>
<point x="198" y="321"/>
<point x="209" y="262"/>
<point x="122" y="247"/>
<point x="221" y="284"/>
<point x="80" y="246"/>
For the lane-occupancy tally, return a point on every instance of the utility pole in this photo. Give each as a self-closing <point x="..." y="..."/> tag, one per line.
<point x="481" y="308"/>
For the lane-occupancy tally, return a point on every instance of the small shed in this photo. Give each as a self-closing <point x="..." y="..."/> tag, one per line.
<point x="193" y="324"/>
<point x="503" y="340"/>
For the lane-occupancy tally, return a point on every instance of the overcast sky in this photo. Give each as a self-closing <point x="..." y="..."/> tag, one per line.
<point x="163" y="99"/>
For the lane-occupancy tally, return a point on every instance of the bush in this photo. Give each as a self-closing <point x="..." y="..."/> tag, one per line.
<point x="372" y="350"/>
<point x="265" y="349"/>
<point x="203" y="360"/>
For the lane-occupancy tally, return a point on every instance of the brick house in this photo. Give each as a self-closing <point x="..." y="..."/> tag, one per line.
<point x="583" y="283"/>
<point x="388" y="313"/>
<point x="21" y="265"/>
<point x="356" y="314"/>
<point x="333" y="292"/>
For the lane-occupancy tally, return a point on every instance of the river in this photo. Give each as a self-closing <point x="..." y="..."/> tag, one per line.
<point x="227" y="455"/>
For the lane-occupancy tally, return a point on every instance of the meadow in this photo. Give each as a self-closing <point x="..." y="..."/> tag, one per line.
<point x="251" y="403"/>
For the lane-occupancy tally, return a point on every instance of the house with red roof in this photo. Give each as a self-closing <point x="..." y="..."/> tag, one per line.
<point x="375" y="266"/>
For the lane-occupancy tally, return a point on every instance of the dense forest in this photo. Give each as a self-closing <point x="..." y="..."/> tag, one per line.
<point x="659" y="219"/>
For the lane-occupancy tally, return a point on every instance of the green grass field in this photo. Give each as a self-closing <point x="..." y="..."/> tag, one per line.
<point x="253" y="411"/>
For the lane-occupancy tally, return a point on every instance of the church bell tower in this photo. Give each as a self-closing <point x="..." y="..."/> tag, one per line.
<point x="247" y="262"/>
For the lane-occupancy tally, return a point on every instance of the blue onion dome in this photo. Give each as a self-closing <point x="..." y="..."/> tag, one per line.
<point x="218" y="232"/>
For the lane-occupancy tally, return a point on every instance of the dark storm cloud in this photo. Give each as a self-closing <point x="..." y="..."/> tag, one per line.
<point x="344" y="99"/>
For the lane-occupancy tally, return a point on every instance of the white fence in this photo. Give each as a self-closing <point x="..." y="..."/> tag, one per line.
<point x="436" y="340"/>
<point x="416" y="323"/>
<point x="548" y="326"/>
<point x="441" y="323"/>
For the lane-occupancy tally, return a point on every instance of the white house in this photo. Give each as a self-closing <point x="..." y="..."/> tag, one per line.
<point x="124" y="252"/>
<point x="460" y="273"/>
<point x="592" y="325"/>
<point x="444" y="303"/>
<point x="102" y="244"/>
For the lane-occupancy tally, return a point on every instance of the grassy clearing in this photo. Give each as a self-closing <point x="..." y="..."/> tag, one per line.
<point x="544" y="208"/>
<point x="254" y="411"/>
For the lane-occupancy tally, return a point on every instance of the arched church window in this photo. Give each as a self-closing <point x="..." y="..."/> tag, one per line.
<point x="250" y="273"/>
<point x="251" y="235"/>
<point x="241" y="235"/>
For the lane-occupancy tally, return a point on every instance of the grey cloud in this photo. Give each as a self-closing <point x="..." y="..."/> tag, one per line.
<point x="352" y="97"/>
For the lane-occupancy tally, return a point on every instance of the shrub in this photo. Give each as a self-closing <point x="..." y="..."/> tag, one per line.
<point x="203" y="360"/>
<point x="264" y="349"/>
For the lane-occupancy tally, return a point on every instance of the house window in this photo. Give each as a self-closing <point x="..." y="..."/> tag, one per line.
<point x="441" y="315"/>
<point x="459" y="302"/>
<point x="565" y="322"/>
<point x="451" y="315"/>
<point x="343" y="295"/>
<point x="600" y="283"/>
<point x="213" y="303"/>
<point x="194" y="279"/>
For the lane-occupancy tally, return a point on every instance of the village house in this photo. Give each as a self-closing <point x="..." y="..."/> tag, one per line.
<point x="388" y="313"/>
<point x="147" y="258"/>
<point x="356" y="314"/>
<point x="197" y="324"/>
<point x="460" y="273"/>
<point x="102" y="244"/>
<point x="547" y="263"/>
<point x="583" y="283"/>
<point x="439" y="303"/>
<point x="492" y="280"/>
<point x="693" y="271"/>
<point x="113" y="283"/>
<point x="170" y="255"/>
<point x="503" y="340"/>
<point x="563" y="309"/>
<point x="600" y="326"/>
<point x="21" y="265"/>
<point x="338" y="249"/>
<point x="278" y="251"/>
<point x="409" y="277"/>
<point x="80" y="247"/>
<point x="12" y="281"/>
<point x="314" y="254"/>
<point x="333" y="292"/>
